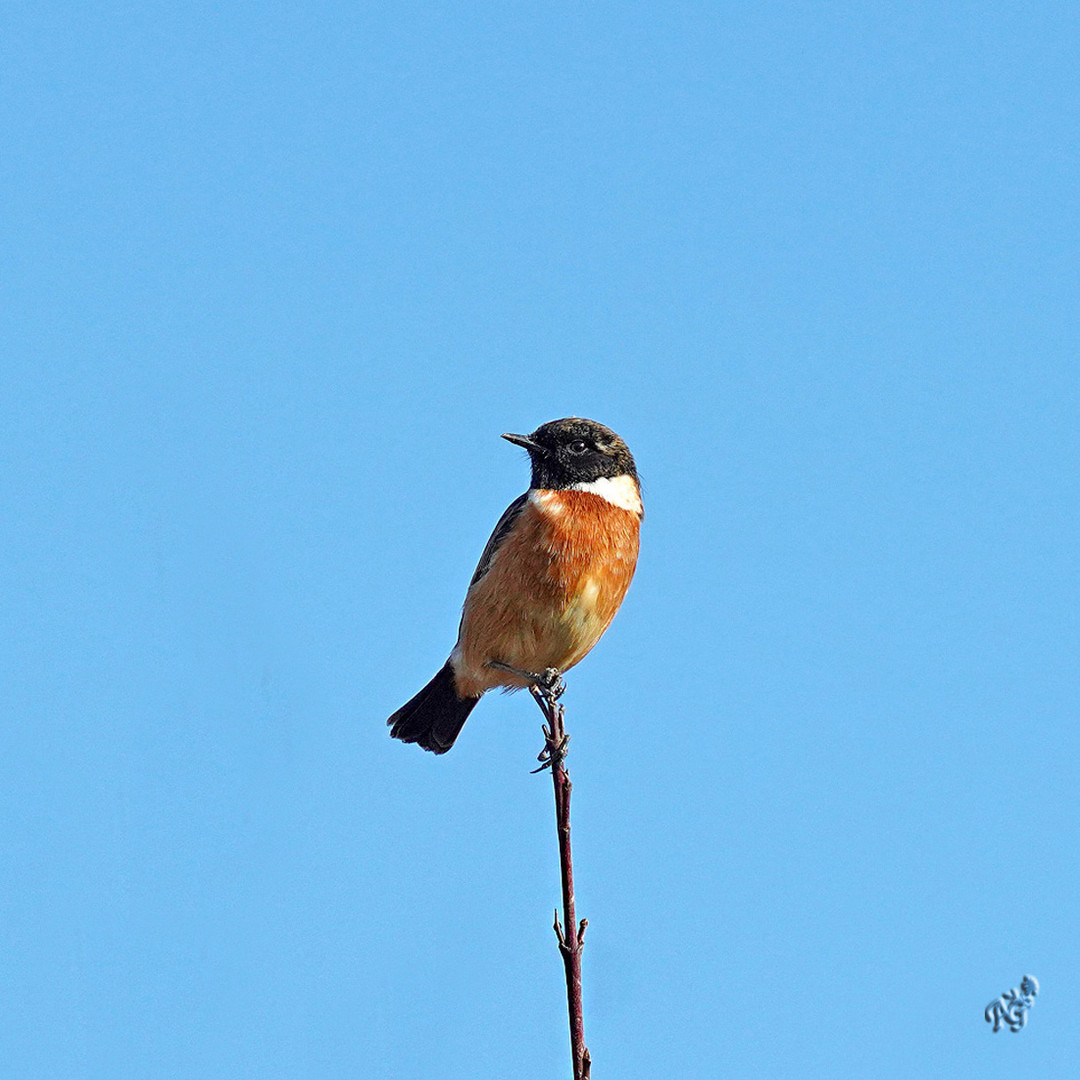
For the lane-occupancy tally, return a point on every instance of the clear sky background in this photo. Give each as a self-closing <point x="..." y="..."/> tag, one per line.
<point x="274" y="279"/>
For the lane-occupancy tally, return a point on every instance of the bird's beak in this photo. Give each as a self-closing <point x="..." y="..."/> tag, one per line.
<point x="525" y="441"/>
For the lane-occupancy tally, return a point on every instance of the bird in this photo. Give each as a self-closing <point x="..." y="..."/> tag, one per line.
<point x="549" y="582"/>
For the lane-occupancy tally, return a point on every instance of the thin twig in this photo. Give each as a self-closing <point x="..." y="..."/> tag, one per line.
<point x="571" y="942"/>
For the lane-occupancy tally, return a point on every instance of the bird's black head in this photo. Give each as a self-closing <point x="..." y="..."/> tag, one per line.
<point x="574" y="451"/>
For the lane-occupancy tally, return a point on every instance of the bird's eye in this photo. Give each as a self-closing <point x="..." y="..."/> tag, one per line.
<point x="577" y="447"/>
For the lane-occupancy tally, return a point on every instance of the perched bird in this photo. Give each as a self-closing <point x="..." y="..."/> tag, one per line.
<point x="548" y="583"/>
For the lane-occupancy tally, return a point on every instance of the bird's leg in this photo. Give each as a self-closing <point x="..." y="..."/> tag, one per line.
<point x="546" y="687"/>
<point x="548" y="683"/>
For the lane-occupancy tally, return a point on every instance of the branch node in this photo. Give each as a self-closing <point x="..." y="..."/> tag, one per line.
<point x="556" y="742"/>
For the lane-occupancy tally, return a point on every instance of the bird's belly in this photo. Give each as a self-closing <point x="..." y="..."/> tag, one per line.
<point x="558" y="634"/>
<point x="549" y="632"/>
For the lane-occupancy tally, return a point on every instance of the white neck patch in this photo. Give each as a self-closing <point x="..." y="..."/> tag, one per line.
<point x="621" y="491"/>
<point x="548" y="501"/>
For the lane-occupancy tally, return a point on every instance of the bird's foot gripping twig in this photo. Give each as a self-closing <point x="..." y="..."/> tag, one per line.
<point x="556" y="741"/>
<point x="546" y="687"/>
<point x="548" y="683"/>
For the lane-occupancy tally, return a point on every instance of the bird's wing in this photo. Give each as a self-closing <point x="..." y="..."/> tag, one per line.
<point x="505" y="524"/>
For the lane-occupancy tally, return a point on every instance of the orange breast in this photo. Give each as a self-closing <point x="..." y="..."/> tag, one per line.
<point x="552" y="589"/>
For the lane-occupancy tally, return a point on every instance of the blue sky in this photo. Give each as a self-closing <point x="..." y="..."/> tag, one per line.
<point x="273" y="278"/>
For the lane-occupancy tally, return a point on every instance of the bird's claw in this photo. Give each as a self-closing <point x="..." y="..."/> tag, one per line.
<point x="550" y="684"/>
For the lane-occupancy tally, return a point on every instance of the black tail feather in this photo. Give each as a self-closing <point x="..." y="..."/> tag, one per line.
<point x="434" y="717"/>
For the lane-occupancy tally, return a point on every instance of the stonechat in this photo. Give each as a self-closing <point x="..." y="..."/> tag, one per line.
<point x="548" y="583"/>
